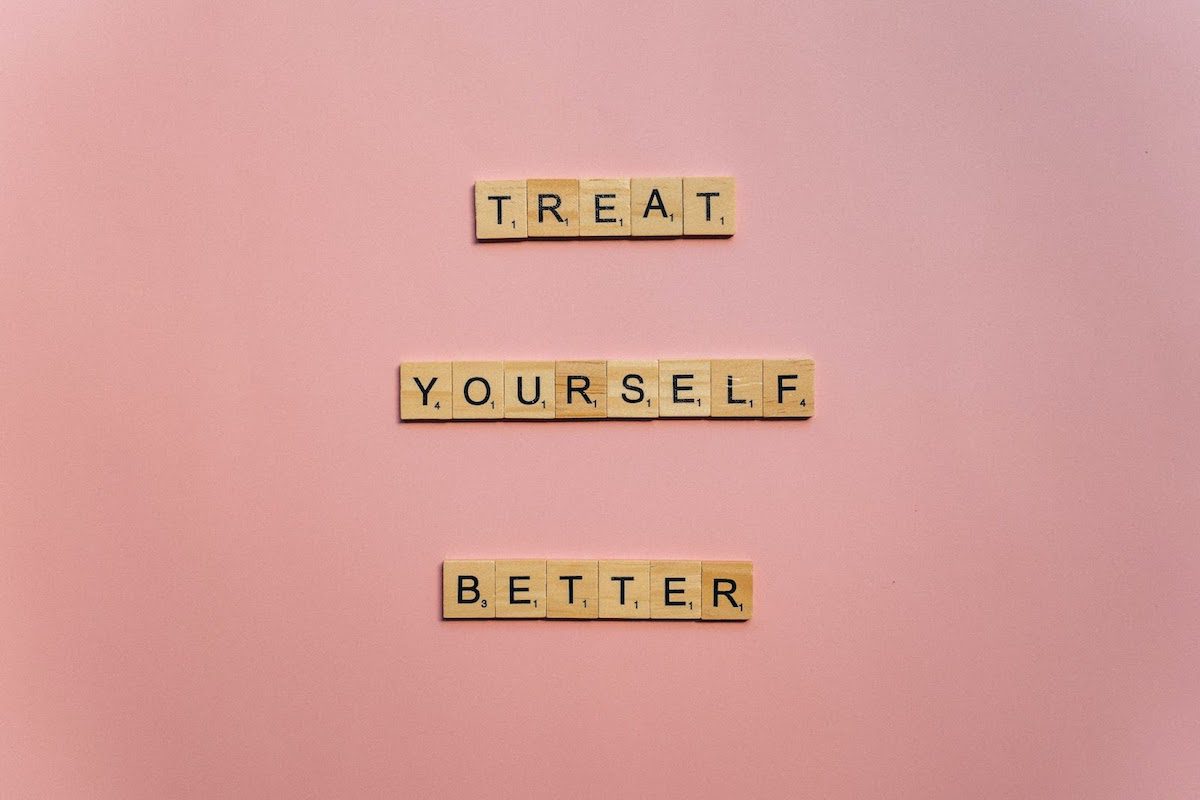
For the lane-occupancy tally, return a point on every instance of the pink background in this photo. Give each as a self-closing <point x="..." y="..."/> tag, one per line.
<point x="225" y="224"/>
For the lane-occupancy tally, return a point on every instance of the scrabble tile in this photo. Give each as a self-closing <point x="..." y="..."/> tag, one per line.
<point x="656" y="205"/>
<point x="632" y="389"/>
<point x="674" y="589"/>
<point x="708" y="207"/>
<point x="571" y="590"/>
<point x="737" y="388"/>
<point x="788" y="388"/>
<point x="580" y="389"/>
<point x="604" y="207"/>
<point x="520" y="589"/>
<point x="500" y="210"/>
<point x="468" y="589"/>
<point x="683" y="389"/>
<point x="624" y="589"/>
<point x="425" y="390"/>
<point x="726" y="590"/>
<point x="553" y="207"/>
<point x="529" y="390"/>
<point x="478" y="389"/>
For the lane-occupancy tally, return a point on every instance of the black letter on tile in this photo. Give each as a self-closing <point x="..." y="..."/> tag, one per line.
<point x="728" y="593"/>
<point x="668" y="591"/>
<point x="729" y="392"/>
<point x="708" y="196"/>
<point x="513" y="589"/>
<point x="537" y="390"/>
<point x="600" y="208"/>
<point x="654" y="195"/>
<point x="572" y="380"/>
<point x="499" y="198"/>
<point x="676" y="389"/>
<point x="620" y="579"/>
<point x="463" y="588"/>
<point x="542" y="207"/>
<point x="487" y="387"/>
<point x="570" y="579"/>
<point x="783" y="388"/>
<point x="424" y="389"/>
<point x="641" y="395"/>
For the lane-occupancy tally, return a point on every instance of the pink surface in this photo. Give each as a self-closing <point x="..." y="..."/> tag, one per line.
<point x="224" y="225"/>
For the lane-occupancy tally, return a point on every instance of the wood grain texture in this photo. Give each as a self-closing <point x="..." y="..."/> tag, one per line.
<point x="709" y="207"/>
<point x="478" y="587"/>
<point x="529" y="390"/>
<point x="426" y="388"/>
<point x="552" y="208"/>
<point x="581" y="389"/>
<point x="624" y="588"/>
<point x="632" y="389"/>
<point x="684" y="388"/>
<point x="656" y="205"/>
<point x="736" y="387"/>
<point x="501" y="210"/>
<point x="675" y="590"/>
<point x="726" y="590"/>
<point x="788" y="388"/>
<point x="604" y="207"/>
<point x="478" y="390"/>
<point x="520" y="588"/>
<point x="572" y="589"/>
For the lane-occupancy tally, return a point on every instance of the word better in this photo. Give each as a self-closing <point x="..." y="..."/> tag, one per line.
<point x="536" y="589"/>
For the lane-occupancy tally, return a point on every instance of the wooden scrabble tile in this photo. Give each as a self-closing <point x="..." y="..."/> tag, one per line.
<point x="425" y="390"/>
<point x="529" y="390"/>
<point x="788" y="388"/>
<point x="571" y="590"/>
<point x="468" y="589"/>
<point x="624" y="589"/>
<point x="552" y="207"/>
<point x="580" y="389"/>
<point x="683" y="389"/>
<point x="674" y="589"/>
<point x="632" y="389"/>
<point x="478" y="389"/>
<point x="737" y="388"/>
<point x="604" y="207"/>
<point x="726" y="590"/>
<point x="656" y="205"/>
<point x="500" y="210"/>
<point x="520" y="589"/>
<point x="708" y="207"/>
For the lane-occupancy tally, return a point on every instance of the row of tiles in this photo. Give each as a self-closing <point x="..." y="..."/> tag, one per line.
<point x="561" y="208"/>
<point x="572" y="589"/>
<point x="566" y="390"/>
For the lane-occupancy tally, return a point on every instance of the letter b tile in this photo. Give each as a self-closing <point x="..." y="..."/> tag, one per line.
<point x="468" y="589"/>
